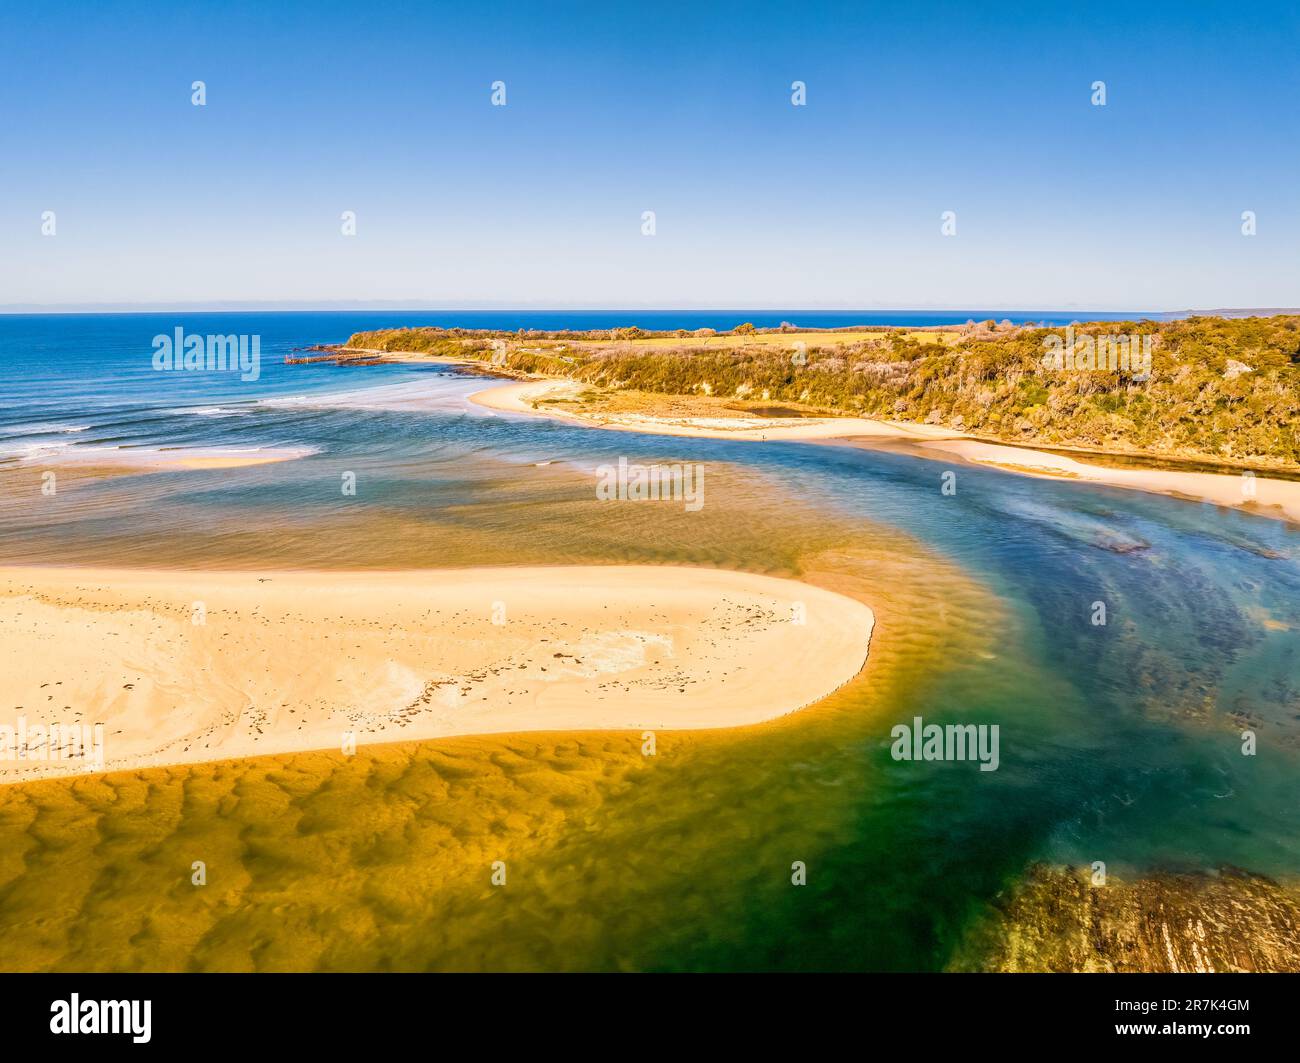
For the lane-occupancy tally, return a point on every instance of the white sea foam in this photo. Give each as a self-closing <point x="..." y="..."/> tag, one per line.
<point x="33" y="451"/>
<point x="436" y="392"/>
<point x="70" y="453"/>
<point x="215" y="411"/>
<point x="43" y="429"/>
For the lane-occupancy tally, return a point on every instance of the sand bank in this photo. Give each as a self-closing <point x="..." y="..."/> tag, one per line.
<point x="1257" y="494"/>
<point x="286" y="662"/>
<point x="1270" y="498"/>
<point x="146" y="459"/>
<point x="521" y="397"/>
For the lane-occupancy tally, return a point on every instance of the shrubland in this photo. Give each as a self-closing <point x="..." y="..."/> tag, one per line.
<point x="1220" y="389"/>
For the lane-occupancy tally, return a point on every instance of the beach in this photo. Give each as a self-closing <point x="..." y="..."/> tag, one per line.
<point x="194" y="667"/>
<point x="523" y="396"/>
<point x="1256" y="494"/>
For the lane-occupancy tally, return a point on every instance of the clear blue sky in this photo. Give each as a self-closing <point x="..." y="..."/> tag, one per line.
<point x="684" y="109"/>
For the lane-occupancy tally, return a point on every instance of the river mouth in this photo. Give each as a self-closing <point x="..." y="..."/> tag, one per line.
<point x="1120" y="741"/>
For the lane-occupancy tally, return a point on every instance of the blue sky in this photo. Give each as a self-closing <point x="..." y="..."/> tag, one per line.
<point x="913" y="109"/>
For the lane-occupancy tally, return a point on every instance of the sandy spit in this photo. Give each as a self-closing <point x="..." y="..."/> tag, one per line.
<point x="1257" y="494"/>
<point x="182" y="667"/>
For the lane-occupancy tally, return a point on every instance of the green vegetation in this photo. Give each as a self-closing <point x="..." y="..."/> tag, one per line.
<point x="1223" y="390"/>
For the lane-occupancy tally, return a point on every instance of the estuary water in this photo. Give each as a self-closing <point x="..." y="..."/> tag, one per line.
<point x="1120" y="742"/>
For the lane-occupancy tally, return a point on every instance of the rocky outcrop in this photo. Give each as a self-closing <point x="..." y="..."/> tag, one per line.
<point x="1056" y="920"/>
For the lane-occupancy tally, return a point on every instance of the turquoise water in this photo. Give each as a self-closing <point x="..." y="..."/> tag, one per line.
<point x="1118" y="742"/>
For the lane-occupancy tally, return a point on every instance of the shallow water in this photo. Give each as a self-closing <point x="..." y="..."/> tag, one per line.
<point x="1119" y="743"/>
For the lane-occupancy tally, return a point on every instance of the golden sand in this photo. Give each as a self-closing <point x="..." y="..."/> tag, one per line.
<point x="382" y="860"/>
<point x="188" y="667"/>
<point x="522" y="397"/>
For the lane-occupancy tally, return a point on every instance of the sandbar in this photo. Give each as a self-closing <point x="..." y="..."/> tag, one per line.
<point x="183" y="667"/>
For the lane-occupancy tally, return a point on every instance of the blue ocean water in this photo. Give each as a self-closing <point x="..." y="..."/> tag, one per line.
<point x="89" y="379"/>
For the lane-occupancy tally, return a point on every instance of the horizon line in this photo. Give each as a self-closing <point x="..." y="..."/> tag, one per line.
<point x="359" y="306"/>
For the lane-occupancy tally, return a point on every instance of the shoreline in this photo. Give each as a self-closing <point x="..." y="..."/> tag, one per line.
<point x="1275" y="499"/>
<point x="518" y="396"/>
<point x="191" y="667"/>
<point x="160" y="459"/>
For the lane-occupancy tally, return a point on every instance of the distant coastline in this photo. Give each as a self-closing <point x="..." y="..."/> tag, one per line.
<point x="596" y="317"/>
<point x="1219" y="397"/>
